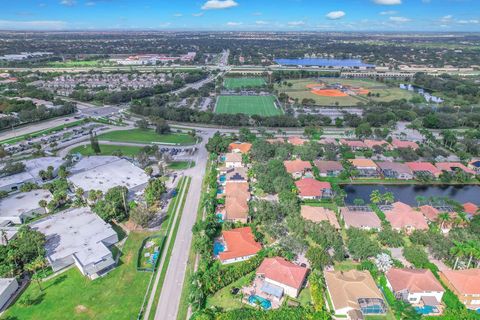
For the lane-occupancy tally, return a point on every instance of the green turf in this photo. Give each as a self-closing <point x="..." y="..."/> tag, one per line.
<point x="107" y="150"/>
<point x="146" y="136"/>
<point x="251" y="105"/>
<point x="237" y="83"/>
<point x="181" y="165"/>
<point x="70" y="295"/>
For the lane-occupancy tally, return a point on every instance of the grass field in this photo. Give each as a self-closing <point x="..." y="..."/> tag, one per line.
<point x="107" y="150"/>
<point x="237" y="83"/>
<point x="251" y="105"/>
<point x="80" y="63"/>
<point x="70" y="295"/>
<point x="181" y="165"/>
<point x="147" y="136"/>
<point x="299" y="91"/>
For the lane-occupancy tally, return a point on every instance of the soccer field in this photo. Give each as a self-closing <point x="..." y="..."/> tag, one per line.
<point x="237" y="83"/>
<point x="251" y="105"/>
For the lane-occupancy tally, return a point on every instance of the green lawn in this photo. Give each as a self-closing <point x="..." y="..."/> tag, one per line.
<point x="251" y="105"/>
<point x="147" y="136"/>
<point x="181" y="165"/>
<point x="225" y="300"/>
<point x="70" y="295"/>
<point x="237" y="83"/>
<point x="107" y="150"/>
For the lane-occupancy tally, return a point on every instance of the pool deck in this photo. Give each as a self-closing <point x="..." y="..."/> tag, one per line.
<point x="254" y="289"/>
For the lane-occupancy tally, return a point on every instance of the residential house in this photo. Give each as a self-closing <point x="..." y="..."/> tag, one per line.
<point x="454" y="166"/>
<point x="328" y="168"/>
<point x="8" y="287"/>
<point x="281" y="277"/>
<point x="372" y="144"/>
<point x="326" y="141"/>
<point x="240" y="147"/>
<point x="296" y="141"/>
<point x="311" y="189"/>
<point x="319" y="214"/>
<point x="354" y="294"/>
<point x="365" y="167"/>
<point x="424" y="168"/>
<point x="237" y="196"/>
<point x="275" y="140"/>
<point x="233" y="160"/>
<point x="298" y="168"/>
<point x="355" y="145"/>
<point x="360" y="217"/>
<point x="471" y="209"/>
<point x="401" y="144"/>
<point x="238" y="245"/>
<point x="395" y="170"/>
<point x="21" y="206"/>
<point x="465" y="284"/>
<point x="403" y="217"/>
<point x="418" y="287"/>
<point x="429" y="212"/>
<point x="475" y="165"/>
<point x="237" y="174"/>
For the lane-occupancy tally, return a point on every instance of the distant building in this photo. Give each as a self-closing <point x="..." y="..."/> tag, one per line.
<point x="365" y="167"/>
<point x="371" y="144"/>
<point x="403" y="217"/>
<point x="8" y="287"/>
<point x="465" y="284"/>
<point x="78" y="237"/>
<point x="454" y="166"/>
<point x="239" y="245"/>
<point x="21" y="206"/>
<point x="312" y="189"/>
<point x="355" y="145"/>
<point x="424" y="168"/>
<point x="298" y="168"/>
<point x="360" y="217"/>
<point x="395" y="170"/>
<point x="401" y="144"/>
<point x="296" y="141"/>
<point x="328" y="168"/>
<point x="319" y="214"/>
<point x="471" y="209"/>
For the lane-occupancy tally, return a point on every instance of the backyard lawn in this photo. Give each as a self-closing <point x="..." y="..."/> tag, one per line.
<point x="181" y="165"/>
<point x="107" y="150"/>
<point x="147" y="136"/>
<point x="70" y="295"/>
<point x="224" y="299"/>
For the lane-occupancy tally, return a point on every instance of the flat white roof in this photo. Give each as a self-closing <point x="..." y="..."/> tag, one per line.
<point x="32" y="169"/>
<point x="78" y="232"/>
<point x="16" y="179"/>
<point x="5" y="282"/>
<point x="20" y="203"/>
<point x="105" y="176"/>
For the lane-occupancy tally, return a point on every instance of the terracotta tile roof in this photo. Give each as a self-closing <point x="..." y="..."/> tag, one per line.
<point x="233" y="157"/>
<point x="400" y="168"/>
<point x="236" y="200"/>
<point x="327" y="141"/>
<point x="372" y="143"/>
<point x="363" y="163"/>
<point x="353" y="143"/>
<point x="240" y="242"/>
<point x="296" y="141"/>
<point x="413" y="280"/>
<point x="451" y="166"/>
<point x="324" y="166"/>
<point x="402" y="216"/>
<point x="296" y="165"/>
<point x="243" y="147"/>
<point x="424" y="166"/>
<point x="470" y="208"/>
<point x="466" y="282"/>
<point x="276" y="140"/>
<point x="346" y="287"/>
<point x="360" y="219"/>
<point x="399" y="144"/>
<point x="319" y="214"/>
<point x="309" y="187"/>
<point x="283" y="271"/>
<point x="429" y="212"/>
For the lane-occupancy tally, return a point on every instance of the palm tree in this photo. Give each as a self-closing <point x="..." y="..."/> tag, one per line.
<point x="420" y="200"/>
<point x="33" y="267"/>
<point x="458" y="251"/>
<point x="461" y="218"/>
<point x="388" y="197"/>
<point x="375" y="197"/>
<point x="43" y="204"/>
<point x="471" y="249"/>
<point x="443" y="217"/>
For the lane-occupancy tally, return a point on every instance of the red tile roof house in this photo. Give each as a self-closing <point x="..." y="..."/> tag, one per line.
<point x="371" y="144"/>
<point x="395" y="170"/>
<point x="296" y="141"/>
<point x="319" y="214"/>
<point x="403" y="217"/>
<point x="453" y="166"/>
<point x="325" y="141"/>
<point x="328" y="168"/>
<point x="401" y="144"/>
<point x="240" y="147"/>
<point x="425" y="168"/>
<point x="354" y="144"/>
<point x="298" y="168"/>
<point x="465" y="284"/>
<point x="311" y="189"/>
<point x="361" y="217"/>
<point x="233" y="160"/>
<point x="471" y="209"/>
<point x="237" y="195"/>
<point x="418" y="287"/>
<point x="281" y="277"/>
<point x="240" y="245"/>
<point x="365" y="167"/>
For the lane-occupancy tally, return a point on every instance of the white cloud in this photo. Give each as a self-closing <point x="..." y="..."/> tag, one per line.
<point x="233" y="24"/>
<point x="197" y="14"/>
<point x="219" y="4"/>
<point x="388" y="2"/>
<point x="388" y="13"/>
<point x="335" y="15"/>
<point x="32" y="25"/>
<point x="471" y="21"/>
<point x="399" y="19"/>
<point x="261" y="22"/>
<point x="68" y="3"/>
<point x="296" y="23"/>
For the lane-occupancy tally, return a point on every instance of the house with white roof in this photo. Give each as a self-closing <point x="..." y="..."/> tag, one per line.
<point x="21" y="206"/>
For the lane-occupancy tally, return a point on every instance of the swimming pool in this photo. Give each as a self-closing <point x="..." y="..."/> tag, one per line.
<point x="426" y="309"/>
<point x="264" y="303"/>
<point x="222" y="178"/>
<point x="220" y="217"/>
<point x="218" y="247"/>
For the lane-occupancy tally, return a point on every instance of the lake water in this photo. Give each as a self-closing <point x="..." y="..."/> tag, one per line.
<point x="407" y="193"/>
<point x="423" y="92"/>
<point x="350" y="63"/>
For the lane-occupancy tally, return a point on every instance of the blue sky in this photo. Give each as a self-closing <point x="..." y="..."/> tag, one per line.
<point x="293" y="15"/>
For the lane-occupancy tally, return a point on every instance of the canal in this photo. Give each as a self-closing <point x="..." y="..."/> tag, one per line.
<point x="407" y="193"/>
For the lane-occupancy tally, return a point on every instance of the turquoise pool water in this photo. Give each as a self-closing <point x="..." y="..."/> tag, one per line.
<point x="222" y="178"/>
<point x="219" y="191"/>
<point x="220" y="217"/>
<point x="265" y="303"/>
<point x="218" y="247"/>
<point x="426" y="309"/>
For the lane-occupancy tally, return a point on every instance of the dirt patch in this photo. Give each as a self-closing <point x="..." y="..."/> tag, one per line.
<point x="81" y="309"/>
<point x="329" y="93"/>
<point x="127" y="258"/>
